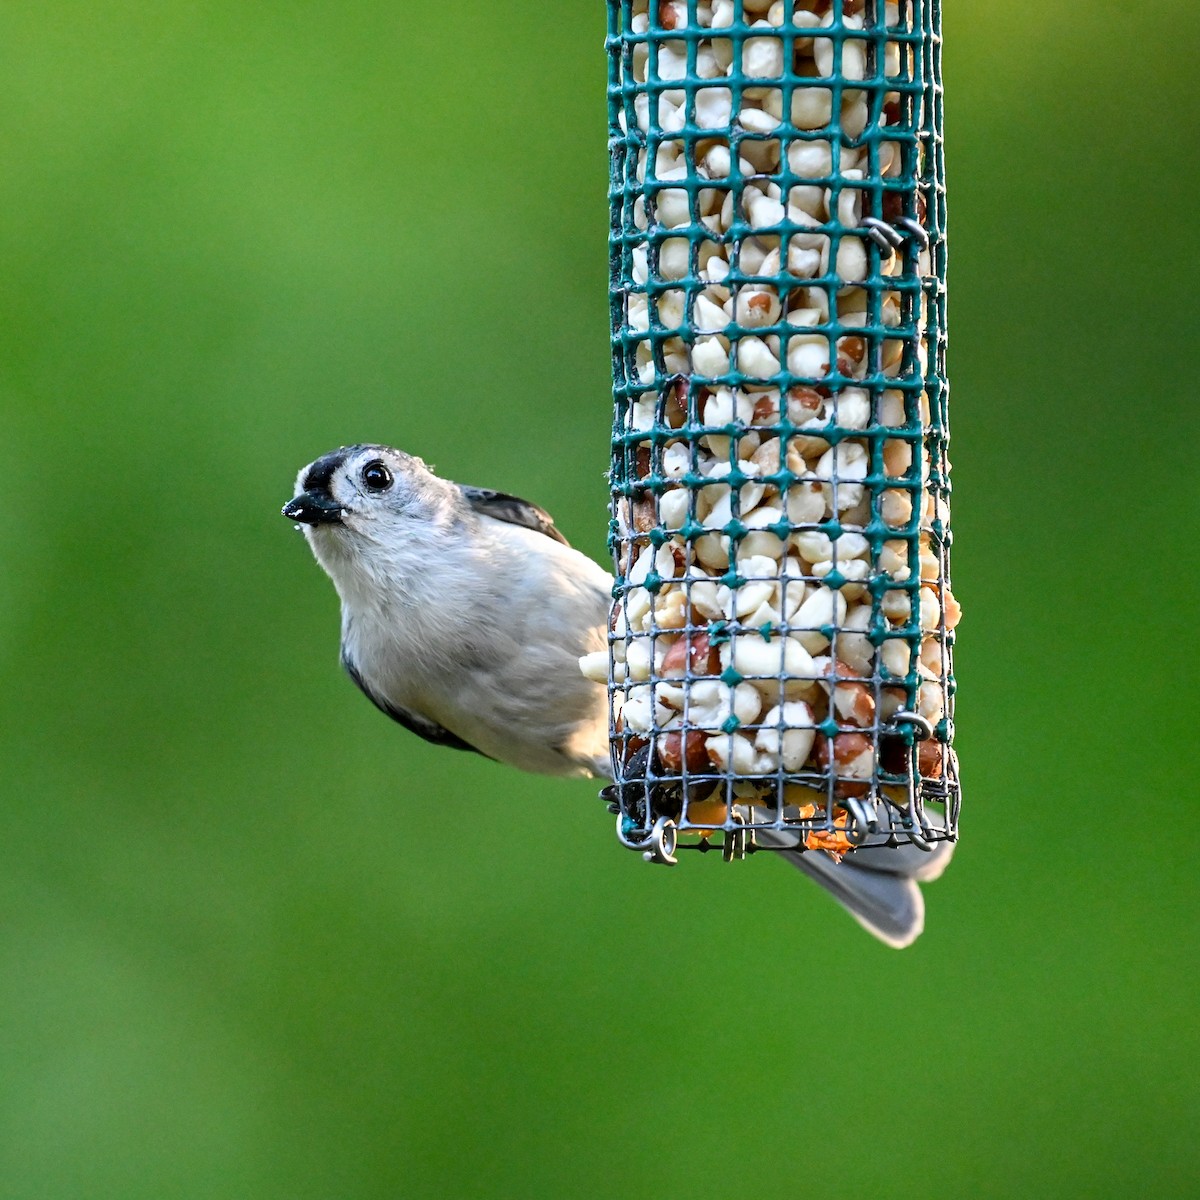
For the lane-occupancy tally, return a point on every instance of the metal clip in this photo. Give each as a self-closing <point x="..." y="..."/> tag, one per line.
<point x="863" y="820"/>
<point x="892" y="237"/>
<point x="922" y="728"/>
<point x="658" y="847"/>
<point x="919" y="839"/>
<point x="917" y="827"/>
<point x="918" y="231"/>
<point x="882" y="234"/>
<point x="734" y="847"/>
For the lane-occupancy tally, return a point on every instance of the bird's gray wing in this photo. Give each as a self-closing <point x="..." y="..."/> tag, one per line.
<point x="503" y="507"/>
<point x="423" y="727"/>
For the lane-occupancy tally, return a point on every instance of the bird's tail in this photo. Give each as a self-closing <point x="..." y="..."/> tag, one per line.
<point x="877" y="885"/>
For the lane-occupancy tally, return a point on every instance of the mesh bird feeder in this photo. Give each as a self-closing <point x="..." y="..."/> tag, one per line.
<point x="780" y="649"/>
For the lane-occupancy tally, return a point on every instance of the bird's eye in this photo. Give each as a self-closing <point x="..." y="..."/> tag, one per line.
<point x="376" y="476"/>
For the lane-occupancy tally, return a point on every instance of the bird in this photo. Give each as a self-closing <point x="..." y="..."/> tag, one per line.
<point x="464" y="614"/>
<point x="464" y="610"/>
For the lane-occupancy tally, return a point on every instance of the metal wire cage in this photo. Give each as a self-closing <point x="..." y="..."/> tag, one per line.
<point x="781" y="644"/>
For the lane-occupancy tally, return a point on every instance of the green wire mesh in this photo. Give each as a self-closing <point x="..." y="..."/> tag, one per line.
<point x="780" y="670"/>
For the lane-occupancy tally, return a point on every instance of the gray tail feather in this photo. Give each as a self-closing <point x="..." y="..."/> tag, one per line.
<point x="877" y="885"/>
<point x="889" y="906"/>
<point x="921" y="865"/>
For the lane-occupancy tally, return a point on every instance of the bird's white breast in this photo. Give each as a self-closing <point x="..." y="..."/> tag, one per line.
<point x="481" y="635"/>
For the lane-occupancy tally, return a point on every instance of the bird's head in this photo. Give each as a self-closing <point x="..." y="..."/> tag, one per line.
<point x="367" y="501"/>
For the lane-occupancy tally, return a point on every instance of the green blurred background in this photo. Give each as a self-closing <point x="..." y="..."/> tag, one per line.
<point x="257" y="942"/>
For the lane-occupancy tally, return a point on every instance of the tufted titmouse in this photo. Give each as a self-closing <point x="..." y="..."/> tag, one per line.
<point x="464" y="616"/>
<point x="464" y="611"/>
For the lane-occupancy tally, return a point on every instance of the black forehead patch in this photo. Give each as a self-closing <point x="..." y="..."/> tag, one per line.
<point x="319" y="476"/>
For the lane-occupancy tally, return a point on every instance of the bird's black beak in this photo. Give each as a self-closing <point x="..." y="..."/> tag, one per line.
<point x="309" y="509"/>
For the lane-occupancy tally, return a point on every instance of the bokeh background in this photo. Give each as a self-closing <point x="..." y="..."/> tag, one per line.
<point x="257" y="942"/>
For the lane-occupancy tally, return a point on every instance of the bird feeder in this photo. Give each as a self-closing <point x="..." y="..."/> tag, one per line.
<point x="780" y="668"/>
